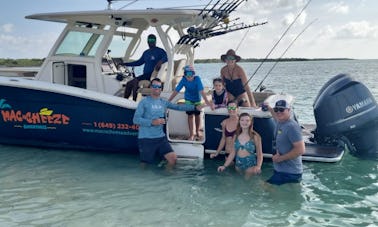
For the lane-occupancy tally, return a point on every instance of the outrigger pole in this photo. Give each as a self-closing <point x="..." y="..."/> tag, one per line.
<point x="275" y="45"/>
<point x="291" y="43"/>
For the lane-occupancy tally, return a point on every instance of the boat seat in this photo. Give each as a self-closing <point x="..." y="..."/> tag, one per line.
<point x="178" y="72"/>
<point x="261" y="96"/>
<point x="144" y="85"/>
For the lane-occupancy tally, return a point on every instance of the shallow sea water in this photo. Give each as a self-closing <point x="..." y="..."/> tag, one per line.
<point x="51" y="187"/>
<point x="71" y="188"/>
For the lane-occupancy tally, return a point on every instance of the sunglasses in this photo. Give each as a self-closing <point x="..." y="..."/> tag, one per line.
<point x="188" y="73"/>
<point x="278" y="109"/>
<point x="151" y="40"/>
<point x="231" y="107"/>
<point x="230" y="58"/>
<point x="155" y="86"/>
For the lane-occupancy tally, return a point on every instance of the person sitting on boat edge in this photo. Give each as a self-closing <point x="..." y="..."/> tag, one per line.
<point x="289" y="146"/>
<point x="219" y="95"/>
<point x="152" y="59"/>
<point x="247" y="149"/>
<point x="193" y="89"/>
<point x="229" y="126"/>
<point x="150" y="116"/>
<point x="235" y="80"/>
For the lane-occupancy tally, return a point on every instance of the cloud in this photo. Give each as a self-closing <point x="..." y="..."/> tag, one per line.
<point x="26" y="46"/>
<point x="358" y="30"/>
<point x="337" y="7"/>
<point x="290" y="17"/>
<point x="7" y="28"/>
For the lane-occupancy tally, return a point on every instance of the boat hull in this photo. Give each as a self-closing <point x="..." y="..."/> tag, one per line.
<point x="51" y="119"/>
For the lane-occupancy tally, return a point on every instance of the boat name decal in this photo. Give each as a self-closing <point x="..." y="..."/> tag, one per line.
<point x="358" y="105"/>
<point x="43" y="117"/>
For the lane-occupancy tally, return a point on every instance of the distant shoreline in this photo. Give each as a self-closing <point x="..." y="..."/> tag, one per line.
<point x="272" y="60"/>
<point x="30" y="62"/>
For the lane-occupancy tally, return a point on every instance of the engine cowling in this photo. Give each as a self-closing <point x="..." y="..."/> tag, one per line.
<point x="343" y="108"/>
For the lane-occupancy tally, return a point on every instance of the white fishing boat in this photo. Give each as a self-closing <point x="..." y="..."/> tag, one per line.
<point x="76" y="99"/>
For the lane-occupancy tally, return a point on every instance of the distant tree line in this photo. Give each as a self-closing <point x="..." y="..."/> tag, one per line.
<point x="23" y="62"/>
<point x="217" y="60"/>
<point x="7" y="62"/>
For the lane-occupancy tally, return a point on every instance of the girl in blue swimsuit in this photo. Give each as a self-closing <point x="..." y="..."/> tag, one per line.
<point x="247" y="150"/>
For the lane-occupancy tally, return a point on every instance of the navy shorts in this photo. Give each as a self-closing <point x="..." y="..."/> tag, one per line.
<point x="195" y="112"/>
<point x="151" y="150"/>
<point x="279" y="178"/>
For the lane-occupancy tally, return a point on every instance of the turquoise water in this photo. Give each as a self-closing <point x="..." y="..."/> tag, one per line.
<point x="45" y="187"/>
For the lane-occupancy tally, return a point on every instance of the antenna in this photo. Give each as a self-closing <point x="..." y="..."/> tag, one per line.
<point x="109" y="4"/>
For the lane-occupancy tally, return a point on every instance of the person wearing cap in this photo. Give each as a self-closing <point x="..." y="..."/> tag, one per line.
<point x="152" y="59"/>
<point x="193" y="92"/>
<point x="289" y="146"/>
<point x="150" y="116"/>
<point x="235" y="80"/>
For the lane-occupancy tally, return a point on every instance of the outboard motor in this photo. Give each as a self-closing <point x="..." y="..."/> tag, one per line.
<point x="346" y="110"/>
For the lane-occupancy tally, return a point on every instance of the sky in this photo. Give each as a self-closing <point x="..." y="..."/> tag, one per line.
<point x="336" y="28"/>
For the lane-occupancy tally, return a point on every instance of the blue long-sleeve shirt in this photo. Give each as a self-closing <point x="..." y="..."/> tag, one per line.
<point x="152" y="108"/>
<point x="150" y="58"/>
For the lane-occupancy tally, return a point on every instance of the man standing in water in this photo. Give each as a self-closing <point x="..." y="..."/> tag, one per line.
<point x="150" y="116"/>
<point x="289" y="146"/>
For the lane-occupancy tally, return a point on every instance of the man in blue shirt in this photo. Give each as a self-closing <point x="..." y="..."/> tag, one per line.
<point x="152" y="59"/>
<point x="150" y="116"/>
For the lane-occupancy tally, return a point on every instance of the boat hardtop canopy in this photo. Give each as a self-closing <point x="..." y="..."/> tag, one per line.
<point x="129" y="18"/>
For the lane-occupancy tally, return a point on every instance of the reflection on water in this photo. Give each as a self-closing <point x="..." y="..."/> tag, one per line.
<point x="72" y="188"/>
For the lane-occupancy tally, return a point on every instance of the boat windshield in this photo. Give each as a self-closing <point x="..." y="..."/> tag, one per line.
<point x="119" y="45"/>
<point x="77" y="43"/>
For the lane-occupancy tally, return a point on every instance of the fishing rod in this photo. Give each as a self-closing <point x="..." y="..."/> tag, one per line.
<point x="194" y="33"/>
<point x="221" y="14"/>
<point x="291" y="43"/>
<point x="242" y="40"/>
<point x="218" y="32"/>
<point x="203" y="10"/>
<point x="275" y="45"/>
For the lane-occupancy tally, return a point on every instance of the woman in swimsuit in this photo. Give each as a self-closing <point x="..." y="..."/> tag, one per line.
<point x="228" y="130"/>
<point x="247" y="149"/>
<point x="235" y="80"/>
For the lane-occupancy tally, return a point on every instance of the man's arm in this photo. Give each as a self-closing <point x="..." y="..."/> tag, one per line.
<point x="298" y="150"/>
<point x="138" y="116"/>
<point x="138" y="62"/>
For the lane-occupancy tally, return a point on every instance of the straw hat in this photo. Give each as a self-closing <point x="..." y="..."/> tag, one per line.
<point x="230" y="52"/>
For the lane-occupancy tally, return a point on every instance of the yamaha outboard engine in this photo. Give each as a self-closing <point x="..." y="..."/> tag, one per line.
<point x="346" y="110"/>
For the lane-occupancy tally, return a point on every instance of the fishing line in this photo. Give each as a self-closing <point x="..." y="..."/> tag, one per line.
<point x="275" y="45"/>
<point x="291" y="43"/>
<point x="242" y="40"/>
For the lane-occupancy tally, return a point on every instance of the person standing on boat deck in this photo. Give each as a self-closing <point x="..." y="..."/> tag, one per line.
<point x="193" y="89"/>
<point x="289" y="145"/>
<point x="219" y="95"/>
<point x="152" y="59"/>
<point x="235" y="80"/>
<point x="229" y="126"/>
<point x="150" y="116"/>
<point x="247" y="149"/>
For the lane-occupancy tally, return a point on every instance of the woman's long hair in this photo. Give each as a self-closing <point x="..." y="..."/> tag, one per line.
<point x="252" y="133"/>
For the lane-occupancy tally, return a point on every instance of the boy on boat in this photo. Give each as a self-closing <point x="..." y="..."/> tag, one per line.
<point x="193" y="89"/>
